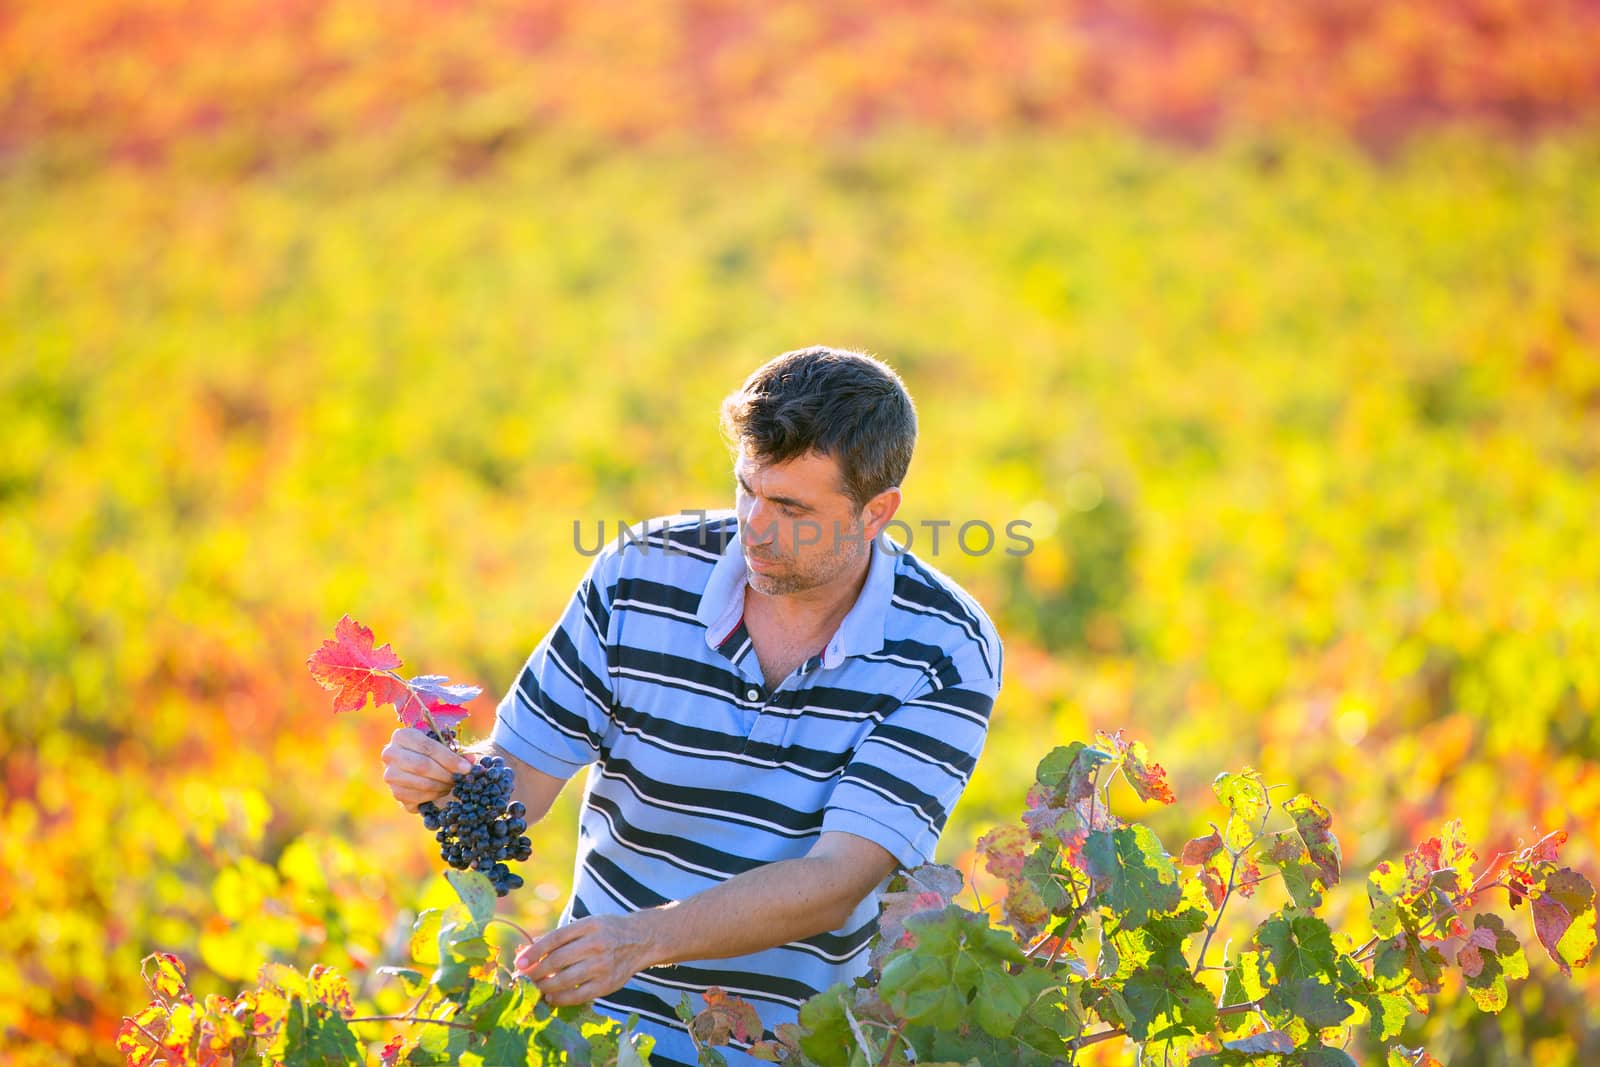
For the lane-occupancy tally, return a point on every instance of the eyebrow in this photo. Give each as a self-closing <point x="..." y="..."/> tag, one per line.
<point x="786" y="501"/>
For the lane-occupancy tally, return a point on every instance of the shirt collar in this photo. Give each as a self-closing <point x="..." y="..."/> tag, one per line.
<point x="861" y="630"/>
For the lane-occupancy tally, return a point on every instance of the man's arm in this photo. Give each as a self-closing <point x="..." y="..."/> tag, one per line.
<point x="771" y="905"/>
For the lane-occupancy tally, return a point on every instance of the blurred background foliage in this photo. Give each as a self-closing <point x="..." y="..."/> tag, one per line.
<point x="1278" y="323"/>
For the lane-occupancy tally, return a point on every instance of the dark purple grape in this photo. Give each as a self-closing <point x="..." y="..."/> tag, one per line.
<point x="480" y="826"/>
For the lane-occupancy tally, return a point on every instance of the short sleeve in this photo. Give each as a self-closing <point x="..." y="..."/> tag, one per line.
<point x="905" y="777"/>
<point x="557" y="712"/>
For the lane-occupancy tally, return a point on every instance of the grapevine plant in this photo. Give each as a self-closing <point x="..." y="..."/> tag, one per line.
<point x="1104" y="936"/>
<point x="481" y="827"/>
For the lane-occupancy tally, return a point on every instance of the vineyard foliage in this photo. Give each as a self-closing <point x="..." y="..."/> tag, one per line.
<point x="257" y="83"/>
<point x="1107" y="938"/>
<point x="1307" y="442"/>
<point x="1307" y="437"/>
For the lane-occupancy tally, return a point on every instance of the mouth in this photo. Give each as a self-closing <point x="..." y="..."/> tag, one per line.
<point x="757" y="563"/>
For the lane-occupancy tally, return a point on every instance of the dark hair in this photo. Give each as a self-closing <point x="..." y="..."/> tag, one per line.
<point x="840" y="403"/>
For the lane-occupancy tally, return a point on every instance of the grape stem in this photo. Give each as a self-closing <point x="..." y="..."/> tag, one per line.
<point x="426" y="715"/>
<point x="152" y="1038"/>
<point x="895" y="1036"/>
<point x="861" y="1038"/>
<point x="507" y="922"/>
<point x="410" y="1019"/>
<point x="1038" y="946"/>
<point x="1233" y="871"/>
<point x="1118" y="1031"/>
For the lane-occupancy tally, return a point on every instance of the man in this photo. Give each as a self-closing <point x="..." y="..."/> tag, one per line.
<point x="776" y="708"/>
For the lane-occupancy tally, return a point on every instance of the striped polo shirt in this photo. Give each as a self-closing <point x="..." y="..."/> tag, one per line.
<point x="698" y="771"/>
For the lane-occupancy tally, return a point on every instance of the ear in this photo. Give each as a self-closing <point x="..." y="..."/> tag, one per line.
<point x="879" y="510"/>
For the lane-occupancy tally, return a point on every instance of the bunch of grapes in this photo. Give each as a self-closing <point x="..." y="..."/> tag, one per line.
<point x="477" y="827"/>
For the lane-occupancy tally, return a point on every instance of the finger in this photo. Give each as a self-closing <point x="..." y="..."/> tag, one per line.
<point x="396" y="776"/>
<point x="409" y="743"/>
<point x="418" y="764"/>
<point x="411" y="790"/>
<point x="569" y="998"/>
<point x="547" y="968"/>
<point x="451" y="763"/>
<point x="575" y="985"/>
<point x="566" y="960"/>
<point x="548" y="942"/>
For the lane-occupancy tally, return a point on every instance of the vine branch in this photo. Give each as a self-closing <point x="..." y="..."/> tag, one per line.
<point x="409" y="1019"/>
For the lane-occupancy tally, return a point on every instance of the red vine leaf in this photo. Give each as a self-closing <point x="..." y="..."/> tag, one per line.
<point x="1004" y="849"/>
<point x="1470" y="955"/>
<point x="1148" y="779"/>
<point x="725" y="1017"/>
<point x="354" y="669"/>
<point x="930" y="887"/>
<point x="1564" y="918"/>
<point x="167" y="978"/>
<point x="392" y="1052"/>
<point x="1045" y="820"/>
<point x="139" y="1035"/>
<point x="1024" y="907"/>
<point x="1248" y="874"/>
<point x="350" y="666"/>
<point x="445" y="716"/>
<point x="1315" y="824"/>
<point x="1547" y="847"/>
<point x="1199" y="849"/>
<point x="329" y="986"/>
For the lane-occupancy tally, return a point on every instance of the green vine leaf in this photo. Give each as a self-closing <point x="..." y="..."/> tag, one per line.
<point x="1315" y="826"/>
<point x="476" y="893"/>
<point x="1322" y="1056"/>
<point x="504" y="1045"/>
<point x="949" y="988"/>
<point x="1298" y="947"/>
<point x="318" y="1036"/>
<point x="486" y="1005"/>
<point x="1264" y="1042"/>
<point x="1385" y="1011"/>
<point x="1245" y="797"/>
<point x="424" y="945"/>
<point x="1068" y="771"/>
<point x="1136" y="877"/>
<point x="413" y="981"/>
<point x="1491" y="955"/>
<point x="1166" y="1002"/>
<point x="1403" y="958"/>
<point x="1303" y="878"/>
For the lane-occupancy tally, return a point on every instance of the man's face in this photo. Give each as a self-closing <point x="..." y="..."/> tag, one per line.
<point x="799" y="528"/>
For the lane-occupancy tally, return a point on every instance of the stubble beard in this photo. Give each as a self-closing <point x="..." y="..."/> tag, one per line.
<point x="820" y="572"/>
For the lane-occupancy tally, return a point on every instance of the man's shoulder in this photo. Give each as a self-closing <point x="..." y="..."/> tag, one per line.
<point x="931" y="603"/>
<point x="679" y="548"/>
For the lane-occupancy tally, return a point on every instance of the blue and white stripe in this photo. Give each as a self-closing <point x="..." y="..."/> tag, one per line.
<point x="699" y="771"/>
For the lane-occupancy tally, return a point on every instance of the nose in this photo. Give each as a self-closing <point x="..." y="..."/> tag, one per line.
<point x="759" y="527"/>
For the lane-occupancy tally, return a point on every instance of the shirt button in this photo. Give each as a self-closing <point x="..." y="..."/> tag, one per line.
<point x="752" y="693"/>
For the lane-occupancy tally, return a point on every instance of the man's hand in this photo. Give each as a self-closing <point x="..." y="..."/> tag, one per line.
<point x="588" y="958"/>
<point x="772" y="904"/>
<point x="417" y="768"/>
